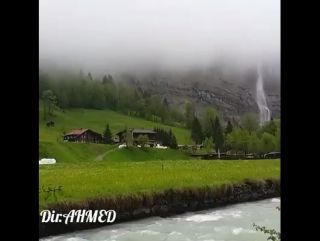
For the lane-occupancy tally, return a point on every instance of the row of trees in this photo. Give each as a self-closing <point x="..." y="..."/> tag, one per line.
<point x="84" y="92"/>
<point x="249" y="136"/>
<point x="167" y="138"/>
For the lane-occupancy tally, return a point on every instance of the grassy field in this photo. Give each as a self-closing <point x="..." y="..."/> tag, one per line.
<point x="111" y="178"/>
<point x="65" y="152"/>
<point x="96" y="120"/>
<point x="144" y="154"/>
<point x="68" y="152"/>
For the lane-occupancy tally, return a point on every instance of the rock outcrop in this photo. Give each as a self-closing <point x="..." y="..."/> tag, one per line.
<point x="233" y="97"/>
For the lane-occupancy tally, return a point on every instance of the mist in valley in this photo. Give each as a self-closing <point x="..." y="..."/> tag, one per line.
<point x="163" y="39"/>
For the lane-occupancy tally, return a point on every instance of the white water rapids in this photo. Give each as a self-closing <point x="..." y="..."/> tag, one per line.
<point x="232" y="223"/>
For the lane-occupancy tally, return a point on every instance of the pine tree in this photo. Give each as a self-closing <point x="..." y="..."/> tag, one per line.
<point x="208" y="128"/>
<point x="174" y="144"/>
<point x="110" y="79"/>
<point x="270" y="127"/>
<point x="170" y="138"/>
<point x="229" y="128"/>
<point x="218" y="135"/>
<point x="89" y="76"/>
<point x="196" y="131"/>
<point x="165" y="102"/>
<point x="189" y="114"/>
<point x="166" y="138"/>
<point x="104" y="80"/>
<point x="107" y="135"/>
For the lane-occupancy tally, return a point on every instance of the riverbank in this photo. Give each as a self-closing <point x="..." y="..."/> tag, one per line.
<point x="163" y="204"/>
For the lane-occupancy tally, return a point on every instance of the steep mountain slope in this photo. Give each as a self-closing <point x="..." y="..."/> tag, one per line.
<point x="232" y="93"/>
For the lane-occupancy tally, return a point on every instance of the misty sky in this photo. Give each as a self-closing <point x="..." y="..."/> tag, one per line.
<point x="111" y="35"/>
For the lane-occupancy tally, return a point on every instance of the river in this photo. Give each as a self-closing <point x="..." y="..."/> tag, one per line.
<point x="223" y="224"/>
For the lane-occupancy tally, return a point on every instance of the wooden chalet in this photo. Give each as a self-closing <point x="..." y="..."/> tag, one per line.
<point x="136" y="133"/>
<point x="193" y="147"/>
<point x="83" y="135"/>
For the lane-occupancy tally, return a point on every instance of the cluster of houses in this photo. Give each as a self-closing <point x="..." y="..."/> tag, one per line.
<point x="88" y="135"/>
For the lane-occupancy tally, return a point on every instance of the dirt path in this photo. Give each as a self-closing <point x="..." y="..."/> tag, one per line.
<point x="100" y="157"/>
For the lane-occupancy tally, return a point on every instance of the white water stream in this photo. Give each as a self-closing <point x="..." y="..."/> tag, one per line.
<point x="265" y="113"/>
<point x="232" y="223"/>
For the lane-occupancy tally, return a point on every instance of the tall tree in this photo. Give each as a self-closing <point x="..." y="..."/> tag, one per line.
<point x="270" y="127"/>
<point x="229" y="128"/>
<point x="107" y="134"/>
<point x="208" y="129"/>
<point x="110" y="79"/>
<point x="255" y="143"/>
<point x="165" y="102"/>
<point x="277" y="140"/>
<point x="127" y="135"/>
<point x="189" y="113"/>
<point x="104" y="80"/>
<point x="234" y="139"/>
<point x="89" y="76"/>
<point x="208" y="144"/>
<point x="268" y="143"/>
<point x="250" y="122"/>
<point x="174" y="144"/>
<point x="245" y="141"/>
<point x="210" y="114"/>
<point x="49" y="102"/>
<point x="196" y="131"/>
<point x="218" y="135"/>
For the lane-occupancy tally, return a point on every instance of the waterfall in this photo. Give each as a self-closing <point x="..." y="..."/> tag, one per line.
<point x="261" y="99"/>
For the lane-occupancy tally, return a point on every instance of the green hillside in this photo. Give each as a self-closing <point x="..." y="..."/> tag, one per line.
<point x="68" y="152"/>
<point x="96" y="120"/>
<point x="65" y="152"/>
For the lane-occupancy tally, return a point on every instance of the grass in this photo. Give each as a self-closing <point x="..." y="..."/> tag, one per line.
<point x="85" y="180"/>
<point x="68" y="152"/>
<point x="96" y="120"/>
<point x="144" y="154"/>
<point x="65" y="152"/>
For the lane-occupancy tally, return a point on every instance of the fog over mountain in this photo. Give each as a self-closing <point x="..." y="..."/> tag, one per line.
<point x="203" y="41"/>
<point x="122" y="35"/>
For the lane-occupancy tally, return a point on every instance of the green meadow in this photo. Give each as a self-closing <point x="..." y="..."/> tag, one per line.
<point x="84" y="180"/>
<point x="96" y="120"/>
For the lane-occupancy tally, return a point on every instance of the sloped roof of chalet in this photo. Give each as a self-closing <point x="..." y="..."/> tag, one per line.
<point x="77" y="132"/>
<point x="80" y="132"/>
<point x="142" y="131"/>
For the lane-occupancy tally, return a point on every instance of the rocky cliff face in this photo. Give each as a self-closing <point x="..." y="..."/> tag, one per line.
<point x="233" y="95"/>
